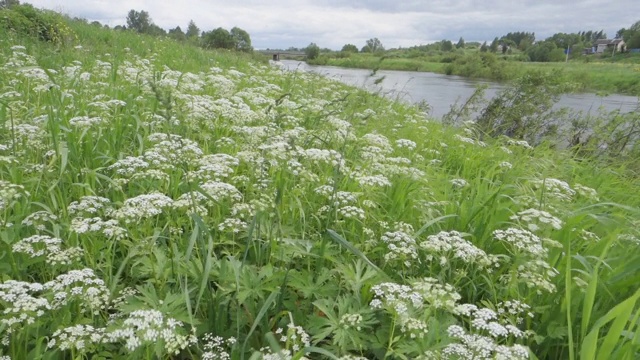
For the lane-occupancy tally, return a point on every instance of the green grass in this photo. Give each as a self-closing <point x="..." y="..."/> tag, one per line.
<point x="159" y="201"/>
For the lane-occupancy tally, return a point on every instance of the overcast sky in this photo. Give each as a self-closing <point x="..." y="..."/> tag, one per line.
<point x="333" y="23"/>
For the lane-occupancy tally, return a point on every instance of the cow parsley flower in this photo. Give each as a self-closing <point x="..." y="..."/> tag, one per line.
<point x="216" y="347"/>
<point x="81" y="338"/>
<point x="38" y="219"/>
<point x="82" y="285"/>
<point x="143" y="206"/>
<point x="405" y="144"/>
<point x="400" y="246"/>
<point x="535" y="219"/>
<point x="459" y="183"/>
<point x="446" y="246"/>
<point x="555" y="189"/>
<point x="149" y="327"/>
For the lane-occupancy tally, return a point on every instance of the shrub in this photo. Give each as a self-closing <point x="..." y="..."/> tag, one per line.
<point x="26" y="20"/>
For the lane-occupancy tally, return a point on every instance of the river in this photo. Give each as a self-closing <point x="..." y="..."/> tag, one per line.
<point x="441" y="91"/>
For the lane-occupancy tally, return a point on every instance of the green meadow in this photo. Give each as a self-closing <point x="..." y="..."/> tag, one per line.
<point x="161" y="201"/>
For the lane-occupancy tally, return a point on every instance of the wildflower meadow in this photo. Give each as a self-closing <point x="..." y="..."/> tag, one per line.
<point x="161" y="201"/>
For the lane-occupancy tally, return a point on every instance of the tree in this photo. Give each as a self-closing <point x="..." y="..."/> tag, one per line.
<point x="139" y="21"/>
<point x="460" y="44"/>
<point x="155" y="30"/>
<point x="631" y="36"/>
<point x="634" y="41"/>
<point x="192" y="30"/>
<point x="373" y="46"/>
<point x="312" y="51"/>
<point x="494" y="45"/>
<point x="484" y="47"/>
<point x="177" y="34"/>
<point x="241" y="39"/>
<point x="446" y="45"/>
<point x="349" y="48"/>
<point x="218" y="39"/>
<point x="520" y="37"/>
<point x="545" y="51"/>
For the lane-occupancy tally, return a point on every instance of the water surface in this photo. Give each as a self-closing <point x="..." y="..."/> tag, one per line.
<point x="441" y="91"/>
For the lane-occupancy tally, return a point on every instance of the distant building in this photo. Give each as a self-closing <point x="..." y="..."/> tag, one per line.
<point x="608" y="45"/>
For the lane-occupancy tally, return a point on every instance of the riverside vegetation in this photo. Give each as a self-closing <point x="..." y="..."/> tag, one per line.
<point x="161" y="201"/>
<point x="507" y="58"/>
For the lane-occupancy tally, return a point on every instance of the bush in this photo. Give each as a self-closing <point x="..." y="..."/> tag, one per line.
<point x="28" y="21"/>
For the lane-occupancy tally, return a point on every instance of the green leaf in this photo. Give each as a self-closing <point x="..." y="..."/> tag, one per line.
<point x="620" y="316"/>
<point x="263" y="310"/>
<point x="317" y="350"/>
<point x="340" y="240"/>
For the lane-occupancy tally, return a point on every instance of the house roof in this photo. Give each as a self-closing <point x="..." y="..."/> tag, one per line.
<point x="608" y="41"/>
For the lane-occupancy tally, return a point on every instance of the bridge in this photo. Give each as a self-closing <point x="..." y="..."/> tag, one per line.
<point x="276" y="55"/>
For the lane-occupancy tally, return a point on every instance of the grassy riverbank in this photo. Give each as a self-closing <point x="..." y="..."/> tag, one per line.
<point x="603" y="75"/>
<point x="159" y="201"/>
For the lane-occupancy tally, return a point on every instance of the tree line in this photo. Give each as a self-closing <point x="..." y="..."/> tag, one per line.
<point x="557" y="47"/>
<point x="220" y="38"/>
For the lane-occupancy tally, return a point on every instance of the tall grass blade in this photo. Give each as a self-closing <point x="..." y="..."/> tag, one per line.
<point x="620" y="316"/>
<point x="342" y="241"/>
<point x="263" y="310"/>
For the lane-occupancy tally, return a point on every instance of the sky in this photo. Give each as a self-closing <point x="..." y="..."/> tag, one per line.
<point x="334" y="23"/>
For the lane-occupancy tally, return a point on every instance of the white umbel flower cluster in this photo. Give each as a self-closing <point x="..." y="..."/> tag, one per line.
<point x="143" y="206"/>
<point x="448" y="245"/>
<point x="44" y="245"/>
<point x="216" y="347"/>
<point x="555" y="189"/>
<point x="402" y="247"/>
<point x="81" y="285"/>
<point x="148" y="327"/>
<point x="77" y="337"/>
<point x="537" y="219"/>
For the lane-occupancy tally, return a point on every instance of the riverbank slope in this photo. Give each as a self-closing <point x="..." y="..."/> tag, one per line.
<point x="160" y="201"/>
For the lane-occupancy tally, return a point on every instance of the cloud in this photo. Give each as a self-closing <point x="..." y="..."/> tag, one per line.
<point x="333" y="23"/>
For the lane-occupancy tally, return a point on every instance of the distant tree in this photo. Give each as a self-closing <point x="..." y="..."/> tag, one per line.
<point x="545" y="51"/>
<point x="620" y="33"/>
<point x="8" y="3"/>
<point x="218" y="39"/>
<point x="120" y="28"/>
<point x="494" y="45"/>
<point x="96" y="23"/>
<point x="634" y="41"/>
<point x="312" y="51"/>
<point x="139" y="21"/>
<point x="460" y="44"/>
<point x="241" y="39"/>
<point x="631" y="35"/>
<point x="156" y="30"/>
<point x="177" y="34"/>
<point x="446" y="45"/>
<point x="484" y="47"/>
<point x="518" y="37"/>
<point x="349" y="48"/>
<point x="563" y="40"/>
<point x="192" y="30"/>
<point x="373" y="46"/>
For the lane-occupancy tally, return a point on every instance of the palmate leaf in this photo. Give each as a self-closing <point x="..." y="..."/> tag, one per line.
<point x="342" y="241"/>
